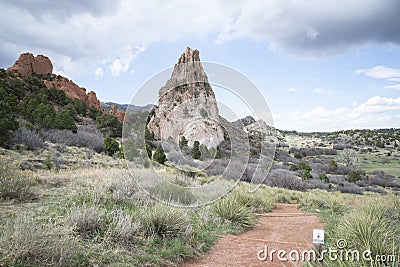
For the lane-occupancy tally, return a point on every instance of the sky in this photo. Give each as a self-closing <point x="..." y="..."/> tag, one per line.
<point x="321" y="65"/>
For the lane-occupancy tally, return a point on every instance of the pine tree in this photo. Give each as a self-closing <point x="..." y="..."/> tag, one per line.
<point x="183" y="141"/>
<point x="111" y="145"/>
<point x="218" y="153"/>
<point x="159" y="155"/>
<point x="195" y="152"/>
<point x="149" y="150"/>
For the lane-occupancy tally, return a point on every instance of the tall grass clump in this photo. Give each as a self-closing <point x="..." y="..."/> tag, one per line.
<point x="14" y="184"/>
<point x="369" y="228"/>
<point x="256" y="201"/>
<point x="229" y="209"/>
<point x="165" y="222"/>
<point x="87" y="222"/>
<point x="25" y="242"/>
<point x="176" y="193"/>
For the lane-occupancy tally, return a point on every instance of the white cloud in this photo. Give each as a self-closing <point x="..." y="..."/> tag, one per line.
<point x="376" y="112"/>
<point x="122" y="64"/>
<point x="98" y="72"/>
<point x="382" y="72"/>
<point x="292" y="89"/>
<point x="322" y="91"/>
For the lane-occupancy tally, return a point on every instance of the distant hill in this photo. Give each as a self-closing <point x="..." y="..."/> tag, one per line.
<point x="122" y="107"/>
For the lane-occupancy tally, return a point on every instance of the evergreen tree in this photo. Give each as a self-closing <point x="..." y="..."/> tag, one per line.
<point x="63" y="120"/>
<point x="159" y="155"/>
<point x="149" y="150"/>
<point x="218" y="153"/>
<point x="8" y="122"/>
<point x="183" y="141"/>
<point x="195" y="152"/>
<point x="111" y="145"/>
<point x="148" y="136"/>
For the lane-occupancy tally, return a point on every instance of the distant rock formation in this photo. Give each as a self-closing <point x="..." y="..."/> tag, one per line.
<point x="120" y="115"/>
<point x="27" y="65"/>
<point x="187" y="105"/>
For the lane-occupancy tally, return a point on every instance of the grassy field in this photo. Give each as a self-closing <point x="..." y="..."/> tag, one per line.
<point x="89" y="217"/>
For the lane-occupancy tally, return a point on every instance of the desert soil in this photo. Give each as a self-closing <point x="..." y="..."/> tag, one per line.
<point x="286" y="228"/>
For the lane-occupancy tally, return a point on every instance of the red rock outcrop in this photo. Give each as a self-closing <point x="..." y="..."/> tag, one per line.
<point x="27" y="64"/>
<point x="120" y="115"/>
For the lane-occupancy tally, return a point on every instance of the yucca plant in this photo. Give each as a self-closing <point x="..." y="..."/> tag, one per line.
<point x="236" y="213"/>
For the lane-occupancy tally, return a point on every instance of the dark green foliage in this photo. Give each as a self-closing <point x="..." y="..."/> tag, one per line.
<point x="159" y="155"/>
<point x="80" y="107"/>
<point x="44" y="115"/>
<point x="148" y="136"/>
<point x="70" y="108"/>
<point x="58" y="97"/>
<point x="63" y="120"/>
<point x="111" y="145"/>
<point x="8" y="122"/>
<point x="149" y="150"/>
<point x="323" y="177"/>
<point x="94" y="113"/>
<point x="195" y="151"/>
<point x="300" y="166"/>
<point x="333" y="165"/>
<point x="183" y="141"/>
<point x="109" y="125"/>
<point x="306" y="175"/>
<point x="353" y="176"/>
<point x="218" y="153"/>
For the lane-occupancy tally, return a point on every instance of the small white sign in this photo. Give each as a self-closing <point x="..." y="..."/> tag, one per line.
<point x="318" y="236"/>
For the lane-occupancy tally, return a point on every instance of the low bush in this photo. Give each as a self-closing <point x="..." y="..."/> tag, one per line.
<point x="29" y="139"/>
<point x="284" y="179"/>
<point x="369" y="228"/>
<point x="14" y="184"/>
<point x="170" y="192"/>
<point x="87" y="222"/>
<point x="234" y="212"/>
<point x="24" y="242"/>
<point x="165" y="221"/>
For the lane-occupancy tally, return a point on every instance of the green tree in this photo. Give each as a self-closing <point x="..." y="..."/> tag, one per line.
<point x="323" y="177"/>
<point x="183" y="141"/>
<point x="8" y="122"/>
<point x="195" y="151"/>
<point x="218" y="153"/>
<point x="111" y="145"/>
<point x="149" y="150"/>
<point x="63" y="120"/>
<point x="159" y="155"/>
<point x="353" y="177"/>
<point x="44" y="114"/>
<point x="80" y="106"/>
<point x="109" y="125"/>
<point x="148" y="136"/>
<point x="94" y="113"/>
<point x="306" y="175"/>
<point x="70" y="108"/>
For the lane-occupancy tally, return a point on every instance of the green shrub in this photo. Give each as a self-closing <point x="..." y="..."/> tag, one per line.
<point x="13" y="184"/>
<point x="109" y="125"/>
<point x="369" y="228"/>
<point x="165" y="221"/>
<point x="234" y="212"/>
<point x="87" y="222"/>
<point x="183" y="142"/>
<point x="111" y="145"/>
<point x="256" y="201"/>
<point x="353" y="177"/>
<point x="195" y="151"/>
<point x="173" y="193"/>
<point x="323" y="177"/>
<point x="159" y="155"/>
<point x="24" y="242"/>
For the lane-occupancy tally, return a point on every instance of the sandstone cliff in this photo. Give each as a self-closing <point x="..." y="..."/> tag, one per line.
<point x="187" y="105"/>
<point x="27" y="65"/>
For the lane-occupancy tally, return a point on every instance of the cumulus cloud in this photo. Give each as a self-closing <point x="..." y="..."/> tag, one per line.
<point x="98" y="72"/>
<point x="381" y="72"/>
<point x="322" y="91"/>
<point x="88" y="33"/>
<point x="309" y="28"/>
<point x="376" y="112"/>
<point x="292" y="90"/>
<point x="122" y="64"/>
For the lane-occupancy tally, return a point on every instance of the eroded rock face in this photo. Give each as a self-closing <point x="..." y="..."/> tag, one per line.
<point x="120" y="115"/>
<point x="27" y="64"/>
<point x="187" y="105"/>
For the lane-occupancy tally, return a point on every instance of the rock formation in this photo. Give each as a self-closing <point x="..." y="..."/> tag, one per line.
<point x="27" y="64"/>
<point x="187" y="105"/>
<point x="120" y="115"/>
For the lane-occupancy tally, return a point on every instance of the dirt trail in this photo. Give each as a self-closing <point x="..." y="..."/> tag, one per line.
<point x="285" y="228"/>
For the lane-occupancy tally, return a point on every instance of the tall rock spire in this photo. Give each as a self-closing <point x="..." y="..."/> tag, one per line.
<point x="187" y="105"/>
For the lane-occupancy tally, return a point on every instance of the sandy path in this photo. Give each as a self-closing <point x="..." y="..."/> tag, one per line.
<point x="289" y="226"/>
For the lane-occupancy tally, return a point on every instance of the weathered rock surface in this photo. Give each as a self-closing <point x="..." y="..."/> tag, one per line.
<point x="27" y="64"/>
<point x="120" y="115"/>
<point x="187" y="105"/>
